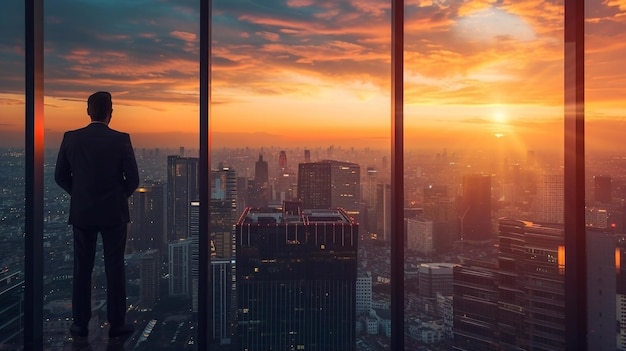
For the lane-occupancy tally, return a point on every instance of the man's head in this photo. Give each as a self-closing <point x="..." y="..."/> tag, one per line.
<point x="100" y="106"/>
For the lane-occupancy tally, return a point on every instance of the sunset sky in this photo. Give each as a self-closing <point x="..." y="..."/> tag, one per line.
<point x="317" y="72"/>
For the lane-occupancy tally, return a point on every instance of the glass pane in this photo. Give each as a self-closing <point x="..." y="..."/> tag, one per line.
<point x="301" y="113"/>
<point x="145" y="53"/>
<point x="605" y="184"/>
<point x="483" y="167"/>
<point x="12" y="157"/>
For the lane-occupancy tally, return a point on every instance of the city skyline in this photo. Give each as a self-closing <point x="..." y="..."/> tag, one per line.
<point x="284" y="71"/>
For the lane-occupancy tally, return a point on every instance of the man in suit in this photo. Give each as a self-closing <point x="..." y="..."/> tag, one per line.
<point x="96" y="165"/>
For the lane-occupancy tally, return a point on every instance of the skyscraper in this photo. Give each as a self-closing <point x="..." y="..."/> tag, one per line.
<point x="330" y="183"/>
<point x="282" y="160"/>
<point x="258" y="188"/>
<point x="296" y="279"/>
<point x="182" y="189"/>
<point x="150" y="273"/>
<point x="475" y="209"/>
<point x="147" y="229"/>
<point x="549" y="201"/>
<point x="178" y="263"/>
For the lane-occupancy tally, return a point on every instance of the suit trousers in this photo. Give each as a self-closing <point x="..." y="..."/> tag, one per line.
<point x="114" y="245"/>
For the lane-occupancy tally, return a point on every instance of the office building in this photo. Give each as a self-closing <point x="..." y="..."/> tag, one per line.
<point x="475" y="306"/>
<point x="178" y="263"/>
<point x="148" y="213"/>
<point x="419" y="235"/>
<point x="296" y="279"/>
<point x="549" y="200"/>
<point x="149" y="273"/>
<point x="364" y="292"/>
<point x="259" y="187"/>
<point x="182" y="189"/>
<point x="330" y="184"/>
<point x="475" y="209"/>
<point x="383" y="212"/>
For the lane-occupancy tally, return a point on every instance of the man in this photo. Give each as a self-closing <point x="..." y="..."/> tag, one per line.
<point x="96" y="165"/>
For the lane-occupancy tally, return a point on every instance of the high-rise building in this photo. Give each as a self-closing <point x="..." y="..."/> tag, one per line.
<point x="178" y="263"/>
<point x="548" y="203"/>
<point x="182" y="189"/>
<point x="223" y="210"/>
<point x="601" y="289"/>
<point x="148" y="213"/>
<point x="258" y="188"/>
<point x="475" y="208"/>
<point x="296" y="279"/>
<point x="419" y="235"/>
<point x="383" y="212"/>
<point x="222" y="294"/>
<point x="435" y="278"/>
<point x="440" y="208"/>
<point x="149" y="273"/>
<point x="330" y="183"/>
<point x="475" y="306"/>
<point x="364" y="292"/>
<point x="602" y="186"/>
<point x="307" y="156"/>
<point x="282" y="160"/>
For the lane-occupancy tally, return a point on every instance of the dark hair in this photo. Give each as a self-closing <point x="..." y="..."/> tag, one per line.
<point x="99" y="105"/>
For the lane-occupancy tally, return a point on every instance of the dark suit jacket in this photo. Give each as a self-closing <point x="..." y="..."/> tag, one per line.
<point x="96" y="165"/>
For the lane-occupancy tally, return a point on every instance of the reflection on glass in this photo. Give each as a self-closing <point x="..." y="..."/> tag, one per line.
<point x="12" y="170"/>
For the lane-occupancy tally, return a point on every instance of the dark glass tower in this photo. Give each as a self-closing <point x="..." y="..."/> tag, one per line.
<point x="475" y="209"/>
<point x="182" y="188"/>
<point x="258" y="189"/>
<point x="147" y="225"/>
<point x="296" y="280"/>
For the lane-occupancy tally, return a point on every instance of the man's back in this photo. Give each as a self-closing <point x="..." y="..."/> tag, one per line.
<point x="96" y="166"/>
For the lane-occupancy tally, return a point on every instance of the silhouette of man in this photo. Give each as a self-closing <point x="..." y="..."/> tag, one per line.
<point x="96" y="165"/>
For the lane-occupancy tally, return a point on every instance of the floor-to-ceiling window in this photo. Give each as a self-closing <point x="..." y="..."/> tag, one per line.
<point x="146" y="55"/>
<point x="12" y="170"/>
<point x="300" y="112"/>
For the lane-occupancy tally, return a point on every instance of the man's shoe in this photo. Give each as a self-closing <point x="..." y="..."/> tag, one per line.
<point x="115" y="331"/>
<point x="78" y="331"/>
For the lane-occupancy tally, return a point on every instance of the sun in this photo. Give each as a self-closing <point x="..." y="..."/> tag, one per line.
<point x="499" y="117"/>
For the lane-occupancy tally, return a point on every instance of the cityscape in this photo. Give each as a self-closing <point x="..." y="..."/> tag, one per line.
<point x="300" y="251"/>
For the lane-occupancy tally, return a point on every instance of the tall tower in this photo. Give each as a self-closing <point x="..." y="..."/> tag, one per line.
<point x="314" y="185"/>
<point x="307" y="156"/>
<point x="149" y="273"/>
<point x="475" y="209"/>
<point x="296" y="280"/>
<point x="223" y="210"/>
<point x="147" y="218"/>
<point x="330" y="183"/>
<point x="182" y="188"/>
<point x="282" y="160"/>
<point x="258" y="190"/>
